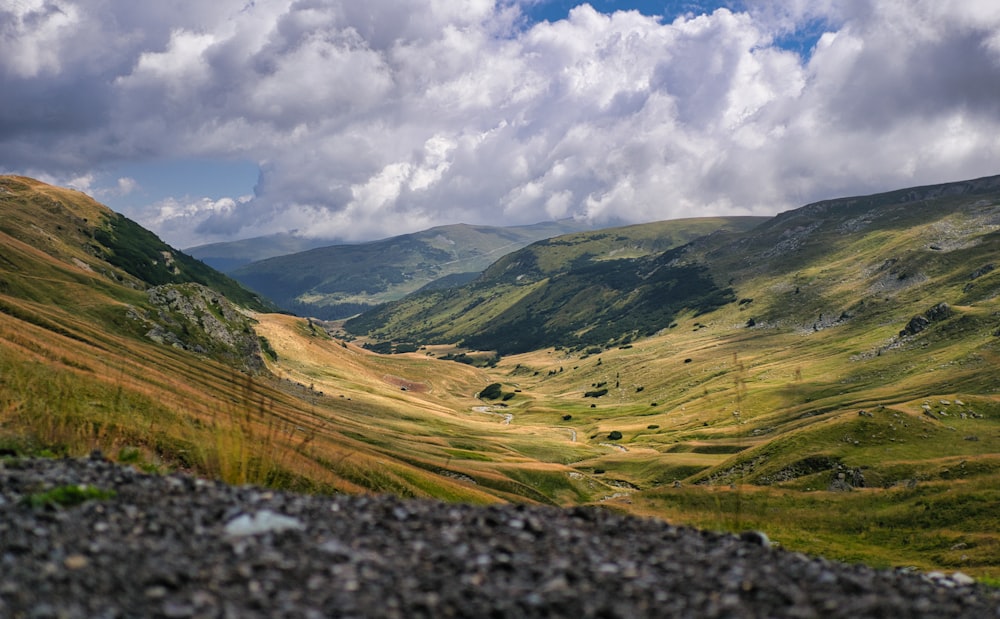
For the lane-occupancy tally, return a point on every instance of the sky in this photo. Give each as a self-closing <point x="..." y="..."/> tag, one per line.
<point x="347" y="120"/>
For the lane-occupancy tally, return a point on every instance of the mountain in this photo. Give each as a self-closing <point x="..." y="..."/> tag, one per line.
<point x="72" y="228"/>
<point x="343" y="280"/>
<point x="583" y="289"/>
<point x="229" y="256"/>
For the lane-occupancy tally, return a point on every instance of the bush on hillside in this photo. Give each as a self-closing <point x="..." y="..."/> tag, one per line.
<point x="491" y="392"/>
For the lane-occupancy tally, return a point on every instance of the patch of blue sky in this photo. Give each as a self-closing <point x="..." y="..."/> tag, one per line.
<point x="200" y="178"/>
<point x="801" y="41"/>
<point x="554" y="10"/>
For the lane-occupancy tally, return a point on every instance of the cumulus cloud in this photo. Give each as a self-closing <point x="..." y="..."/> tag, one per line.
<point x="188" y="221"/>
<point x="367" y="120"/>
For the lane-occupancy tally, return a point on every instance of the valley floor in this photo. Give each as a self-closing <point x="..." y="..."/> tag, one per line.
<point x="723" y="432"/>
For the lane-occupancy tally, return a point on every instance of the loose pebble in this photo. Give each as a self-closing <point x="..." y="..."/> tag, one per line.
<point x="180" y="547"/>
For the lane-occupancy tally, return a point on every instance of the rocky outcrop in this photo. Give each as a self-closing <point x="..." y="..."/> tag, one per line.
<point x="198" y="319"/>
<point x="845" y="480"/>
<point x="939" y="312"/>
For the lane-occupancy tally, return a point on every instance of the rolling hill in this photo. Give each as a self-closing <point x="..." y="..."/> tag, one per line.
<point x="342" y="280"/>
<point x="575" y="290"/>
<point x="827" y="376"/>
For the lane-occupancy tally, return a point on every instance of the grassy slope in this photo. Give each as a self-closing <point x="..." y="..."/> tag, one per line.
<point x="73" y="228"/>
<point x="828" y="307"/>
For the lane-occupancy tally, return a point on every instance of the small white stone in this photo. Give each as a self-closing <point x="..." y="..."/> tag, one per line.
<point x="963" y="580"/>
<point x="264" y="521"/>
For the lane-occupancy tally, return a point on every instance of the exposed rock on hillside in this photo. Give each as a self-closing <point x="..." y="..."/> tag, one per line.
<point x="917" y="324"/>
<point x="198" y="319"/>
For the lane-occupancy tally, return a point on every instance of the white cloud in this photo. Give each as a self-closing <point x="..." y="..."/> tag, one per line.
<point x="126" y="185"/>
<point x="368" y="120"/>
<point x="80" y="183"/>
<point x="191" y="221"/>
<point x="32" y="35"/>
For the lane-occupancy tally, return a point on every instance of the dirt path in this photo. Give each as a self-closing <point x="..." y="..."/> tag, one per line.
<point x="489" y="410"/>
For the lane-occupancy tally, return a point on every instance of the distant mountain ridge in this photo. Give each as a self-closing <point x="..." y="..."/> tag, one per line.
<point x="231" y="255"/>
<point x="342" y="280"/>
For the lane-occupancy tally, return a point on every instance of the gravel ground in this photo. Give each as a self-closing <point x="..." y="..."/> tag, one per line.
<point x="176" y="546"/>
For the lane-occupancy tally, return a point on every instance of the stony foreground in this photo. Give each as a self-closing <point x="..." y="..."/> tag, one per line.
<point x="177" y="546"/>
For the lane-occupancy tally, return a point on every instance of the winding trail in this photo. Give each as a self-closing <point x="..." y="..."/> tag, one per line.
<point x="488" y="410"/>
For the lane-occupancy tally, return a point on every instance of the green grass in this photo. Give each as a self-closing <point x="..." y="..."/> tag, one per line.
<point x="932" y="526"/>
<point x="67" y="496"/>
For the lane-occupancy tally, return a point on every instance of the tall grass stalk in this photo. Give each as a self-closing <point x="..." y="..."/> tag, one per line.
<point x="250" y="443"/>
<point x="46" y="409"/>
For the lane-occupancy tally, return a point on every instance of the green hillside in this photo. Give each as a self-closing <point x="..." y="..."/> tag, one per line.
<point x="111" y="340"/>
<point x="70" y="226"/>
<point x="343" y="280"/>
<point x="598" y="288"/>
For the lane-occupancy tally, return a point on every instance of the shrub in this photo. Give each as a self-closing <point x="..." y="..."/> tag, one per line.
<point x="382" y="348"/>
<point x="129" y="454"/>
<point x="265" y="347"/>
<point x="491" y="392"/>
<point x="614" y="435"/>
<point x="596" y="393"/>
